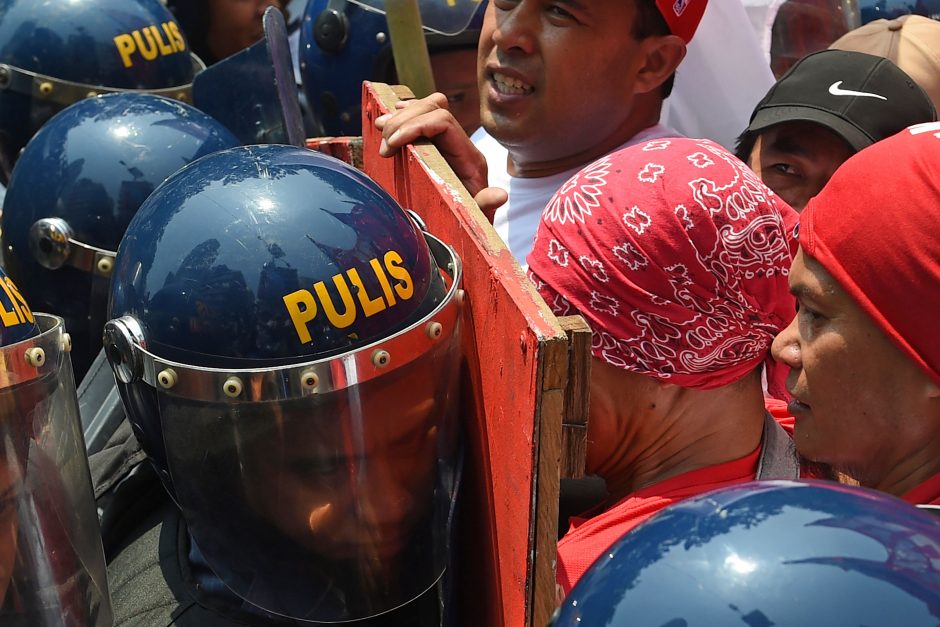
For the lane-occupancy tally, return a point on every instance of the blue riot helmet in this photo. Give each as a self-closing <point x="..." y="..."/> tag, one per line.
<point x="890" y="9"/>
<point x="286" y="343"/>
<point x="77" y="186"/>
<point x="343" y="44"/>
<point x="55" y="53"/>
<point x="52" y="567"/>
<point x="17" y="322"/>
<point x="768" y="553"/>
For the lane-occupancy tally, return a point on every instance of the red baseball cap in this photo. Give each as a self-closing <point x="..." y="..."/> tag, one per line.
<point x="682" y="16"/>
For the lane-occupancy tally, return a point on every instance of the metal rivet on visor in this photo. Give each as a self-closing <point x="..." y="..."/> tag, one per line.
<point x="434" y="330"/>
<point x="381" y="358"/>
<point x="167" y="378"/>
<point x="232" y="387"/>
<point x="309" y="380"/>
<point x="66" y="343"/>
<point x="45" y="88"/>
<point x="35" y="357"/>
<point x="105" y="265"/>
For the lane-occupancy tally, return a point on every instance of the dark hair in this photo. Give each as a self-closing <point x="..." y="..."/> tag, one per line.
<point x="651" y="23"/>
<point x="193" y="18"/>
<point x="744" y="144"/>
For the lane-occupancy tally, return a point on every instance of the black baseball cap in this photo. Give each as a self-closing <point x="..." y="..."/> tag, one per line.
<point x="860" y="97"/>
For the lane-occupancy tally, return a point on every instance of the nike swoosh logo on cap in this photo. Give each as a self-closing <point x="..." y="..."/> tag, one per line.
<point x="836" y="90"/>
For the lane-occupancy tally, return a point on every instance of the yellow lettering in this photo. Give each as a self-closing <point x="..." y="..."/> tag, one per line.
<point x="126" y="47"/>
<point x="148" y="53"/>
<point x="338" y="320"/>
<point x="165" y="49"/>
<point x="301" y="316"/>
<point x="383" y="282"/>
<point x="19" y="301"/>
<point x="405" y="286"/>
<point x="169" y="36"/>
<point x="9" y="288"/>
<point x="9" y="318"/>
<point x="370" y="306"/>
<point x="177" y="35"/>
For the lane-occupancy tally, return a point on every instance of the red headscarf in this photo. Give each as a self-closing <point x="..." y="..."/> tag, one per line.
<point x="677" y="255"/>
<point x="875" y="227"/>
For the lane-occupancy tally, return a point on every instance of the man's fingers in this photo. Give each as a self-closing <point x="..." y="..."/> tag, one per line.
<point x="490" y="199"/>
<point x="431" y="125"/>
<point x="414" y="107"/>
<point x="437" y="98"/>
<point x="429" y="118"/>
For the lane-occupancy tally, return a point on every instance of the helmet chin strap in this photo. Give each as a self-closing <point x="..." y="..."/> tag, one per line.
<point x="53" y="245"/>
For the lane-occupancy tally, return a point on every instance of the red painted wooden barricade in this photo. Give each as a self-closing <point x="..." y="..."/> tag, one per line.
<point x="517" y="372"/>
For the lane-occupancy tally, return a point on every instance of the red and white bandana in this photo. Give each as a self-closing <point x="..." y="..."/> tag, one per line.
<point x="677" y="255"/>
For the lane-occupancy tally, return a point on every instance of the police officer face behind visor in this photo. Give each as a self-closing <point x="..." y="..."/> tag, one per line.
<point x="286" y="344"/>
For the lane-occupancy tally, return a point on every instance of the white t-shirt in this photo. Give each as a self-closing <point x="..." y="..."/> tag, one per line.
<point x="725" y="52"/>
<point x="517" y="220"/>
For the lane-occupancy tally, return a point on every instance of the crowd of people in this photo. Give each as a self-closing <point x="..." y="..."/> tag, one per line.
<point x="279" y="340"/>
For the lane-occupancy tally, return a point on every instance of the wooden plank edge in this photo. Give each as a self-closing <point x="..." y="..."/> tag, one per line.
<point x="467" y="212"/>
<point x="552" y="371"/>
<point x="577" y="397"/>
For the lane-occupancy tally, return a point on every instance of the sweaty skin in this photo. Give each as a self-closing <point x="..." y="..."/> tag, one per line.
<point x="861" y="405"/>
<point x="536" y="61"/>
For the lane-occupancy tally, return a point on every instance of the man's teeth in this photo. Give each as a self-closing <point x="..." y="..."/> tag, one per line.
<point x="509" y="85"/>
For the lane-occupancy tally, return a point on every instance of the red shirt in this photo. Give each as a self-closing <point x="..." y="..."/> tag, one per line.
<point x="778" y="409"/>
<point x="588" y="538"/>
<point x="927" y="493"/>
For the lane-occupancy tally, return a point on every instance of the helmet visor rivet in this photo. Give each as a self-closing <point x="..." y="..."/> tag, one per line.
<point x="381" y="358"/>
<point x="105" y="265"/>
<point x="309" y="380"/>
<point x="167" y="378"/>
<point x="35" y="357"/>
<point x="232" y="387"/>
<point x="434" y="330"/>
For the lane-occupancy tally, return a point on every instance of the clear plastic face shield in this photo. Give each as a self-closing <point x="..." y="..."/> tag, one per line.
<point x="50" y="94"/>
<point x="444" y="17"/>
<point x="52" y="568"/>
<point x="322" y="491"/>
<point x="802" y="27"/>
